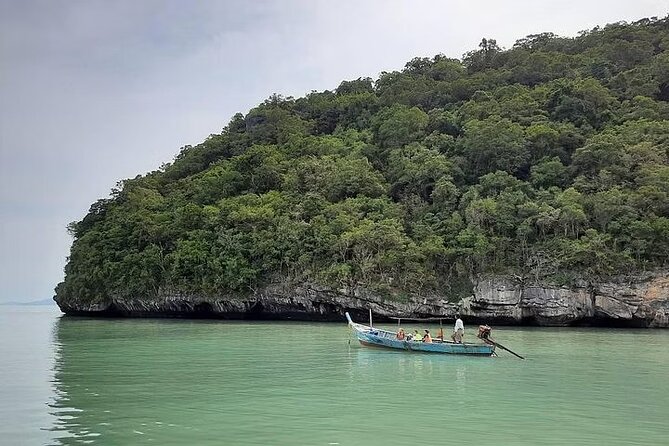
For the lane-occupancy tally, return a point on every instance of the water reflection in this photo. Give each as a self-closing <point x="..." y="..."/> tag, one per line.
<point x="175" y="382"/>
<point x="119" y="381"/>
<point x="448" y="374"/>
<point x="77" y="421"/>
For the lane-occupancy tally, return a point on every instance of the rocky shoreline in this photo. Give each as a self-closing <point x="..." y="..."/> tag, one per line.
<point x="643" y="302"/>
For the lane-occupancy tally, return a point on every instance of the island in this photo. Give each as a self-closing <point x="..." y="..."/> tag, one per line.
<point x="520" y="186"/>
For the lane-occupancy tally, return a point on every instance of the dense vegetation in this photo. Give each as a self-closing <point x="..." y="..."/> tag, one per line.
<point x="547" y="160"/>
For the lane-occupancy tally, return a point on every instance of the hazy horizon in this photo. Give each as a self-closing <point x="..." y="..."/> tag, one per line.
<point x="94" y="92"/>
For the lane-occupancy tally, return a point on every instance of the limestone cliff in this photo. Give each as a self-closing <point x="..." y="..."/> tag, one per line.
<point x="496" y="300"/>
<point x="640" y="303"/>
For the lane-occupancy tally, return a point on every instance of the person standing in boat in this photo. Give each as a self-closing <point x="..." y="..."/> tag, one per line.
<point x="458" y="330"/>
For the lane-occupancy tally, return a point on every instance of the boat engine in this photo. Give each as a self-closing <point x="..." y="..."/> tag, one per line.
<point x="484" y="331"/>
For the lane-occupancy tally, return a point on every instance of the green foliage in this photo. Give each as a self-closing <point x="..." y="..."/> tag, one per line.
<point x="549" y="172"/>
<point x="494" y="144"/>
<point x="399" y="125"/>
<point x="550" y="159"/>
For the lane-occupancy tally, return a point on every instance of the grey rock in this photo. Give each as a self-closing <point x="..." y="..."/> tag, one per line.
<point x="642" y="302"/>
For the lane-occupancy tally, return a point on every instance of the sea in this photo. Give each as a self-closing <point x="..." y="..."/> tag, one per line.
<point x="75" y="381"/>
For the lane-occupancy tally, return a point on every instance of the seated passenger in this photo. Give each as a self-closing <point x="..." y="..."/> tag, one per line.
<point x="400" y="334"/>
<point x="427" y="337"/>
<point x="416" y="336"/>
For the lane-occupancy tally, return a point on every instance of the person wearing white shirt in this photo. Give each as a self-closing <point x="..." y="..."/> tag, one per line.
<point x="458" y="330"/>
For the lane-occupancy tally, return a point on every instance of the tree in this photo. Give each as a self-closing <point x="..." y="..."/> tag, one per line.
<point x="485" y="57"/>
<point x="494" y="144"/>
<point x="399" y="125"/>
<point x="549" y="172"/>
<point x="415" y="170"/>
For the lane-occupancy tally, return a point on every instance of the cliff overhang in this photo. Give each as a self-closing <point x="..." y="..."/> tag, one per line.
<point x="499" y="300"/>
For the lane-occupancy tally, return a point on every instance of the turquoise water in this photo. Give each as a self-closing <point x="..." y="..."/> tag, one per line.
<point x="116" y="382"/>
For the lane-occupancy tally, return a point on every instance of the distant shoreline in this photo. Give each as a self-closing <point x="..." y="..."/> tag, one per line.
<point x="40" y="302"/>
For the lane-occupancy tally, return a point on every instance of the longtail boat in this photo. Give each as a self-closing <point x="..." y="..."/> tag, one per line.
<point x="375" y="337"/>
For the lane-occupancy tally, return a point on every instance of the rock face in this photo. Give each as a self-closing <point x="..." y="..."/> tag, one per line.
<point x="494" y="300"/>
<point x="281" y="301"/>
<point x="643" y="303"/>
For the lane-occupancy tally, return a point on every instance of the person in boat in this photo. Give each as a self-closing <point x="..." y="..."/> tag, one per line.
<point x="426" y="337"/>
<point x="458" y="330"/>
<point x="416" y="336"/>
<point x="400" y="334"/>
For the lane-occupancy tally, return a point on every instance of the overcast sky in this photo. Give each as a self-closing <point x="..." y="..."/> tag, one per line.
<point x="92" y="92"/>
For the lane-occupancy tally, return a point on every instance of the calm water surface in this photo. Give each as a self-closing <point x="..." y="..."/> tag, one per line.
<point x="67" y="381"/>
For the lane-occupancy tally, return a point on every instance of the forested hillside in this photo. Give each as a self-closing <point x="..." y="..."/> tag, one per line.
<point x="548" y="160"/>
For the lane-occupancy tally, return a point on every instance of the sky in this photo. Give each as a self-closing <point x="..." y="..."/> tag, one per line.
<point x="92" y="92"/>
